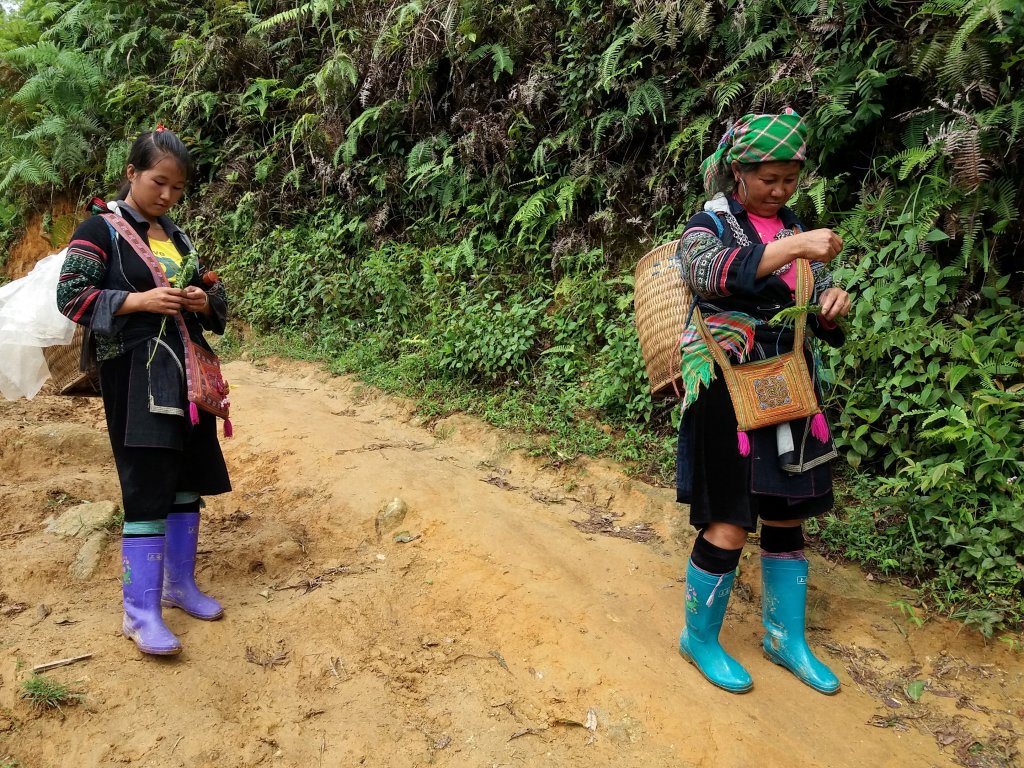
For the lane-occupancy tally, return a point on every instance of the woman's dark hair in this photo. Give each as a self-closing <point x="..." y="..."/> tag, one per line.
<point x="724" y="181"/>
<point x="150" y="148"/>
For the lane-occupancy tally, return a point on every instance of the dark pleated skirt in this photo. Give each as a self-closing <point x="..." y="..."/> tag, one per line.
<point x="717" y="481"/>
<point x="157" y="455"/>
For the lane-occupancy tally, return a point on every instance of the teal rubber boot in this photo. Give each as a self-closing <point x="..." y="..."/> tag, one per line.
<point x="784" y="610"/>
<point x="707" y="596"/>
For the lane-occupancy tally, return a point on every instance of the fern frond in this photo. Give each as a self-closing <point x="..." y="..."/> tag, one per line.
<point x="816" y="192"/>
<point x="306" y="125"/>
<point x="355" y="129"/>
<point x="647" y="98"/>
<point x="315" y="7"/>
<point x="698" y="18"/>
<point x="604" y="121"/>
<point x="420" y="156"/>
<point x="532" y="210"/>
<point x="725" y="94"/>
<point x="908" y="160"/>
<point x="335" y="73"/>
<point x="499" y="54"/>
<point x="756" y="48"/>
<point x="32" y="170"/>
<point x="566" y="191"/>
<point x="691" y="136"/>
<point x="608" y="67"/>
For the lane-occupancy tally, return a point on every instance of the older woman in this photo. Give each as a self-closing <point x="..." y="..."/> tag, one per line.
<point x="738" y="256"/>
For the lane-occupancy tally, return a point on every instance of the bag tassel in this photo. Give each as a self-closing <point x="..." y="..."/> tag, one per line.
<point x="819" y="427"/>
<point x="229" y="431"/>
<point x="744" y="443"/>
<point x="193" y="413"/>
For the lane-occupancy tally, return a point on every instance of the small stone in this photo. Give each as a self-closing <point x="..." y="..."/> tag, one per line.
<point x="389" y="518"/>
<point x="88" y="558"/>
<point x="82" y="521"/>
<point x="42" y="611"/>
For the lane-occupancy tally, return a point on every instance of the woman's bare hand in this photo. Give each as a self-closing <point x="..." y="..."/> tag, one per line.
<point x="834" y="302"/>
<point x="196" y="300"/>
<point x="159" y="301"/>
<point x="818" y="245"/>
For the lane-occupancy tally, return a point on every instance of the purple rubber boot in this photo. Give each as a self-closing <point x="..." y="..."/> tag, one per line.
<point x="180" y="590"/>
<point x="142" y="563"/>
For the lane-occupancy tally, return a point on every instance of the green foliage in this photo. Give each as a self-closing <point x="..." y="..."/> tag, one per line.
<point x="487" y="338"/>
<point x="620" y="385"/>
<point x="458" y="192"/>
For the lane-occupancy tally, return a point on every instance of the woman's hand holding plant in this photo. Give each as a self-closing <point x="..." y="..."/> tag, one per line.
<point x="816" y="245"/>
<point x="195" y="299"/>
<point x="159" y="301"/>
<point x="185" y="295"/>
<point x="834" y="303"/>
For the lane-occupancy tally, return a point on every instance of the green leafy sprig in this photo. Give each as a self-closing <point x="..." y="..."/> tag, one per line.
<point x="189" y="265"/>
<point x="789" y="315"/>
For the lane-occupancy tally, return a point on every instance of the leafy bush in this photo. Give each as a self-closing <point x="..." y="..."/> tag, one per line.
<point x="486" y="338"/>
<point x="619" y="383"/>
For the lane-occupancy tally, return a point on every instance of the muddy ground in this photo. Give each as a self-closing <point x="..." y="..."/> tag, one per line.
<point x="525" y="614"/>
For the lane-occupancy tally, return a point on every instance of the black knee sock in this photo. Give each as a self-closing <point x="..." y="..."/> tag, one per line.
<point x="712" y="559"/>
<point x="776" y="539"/>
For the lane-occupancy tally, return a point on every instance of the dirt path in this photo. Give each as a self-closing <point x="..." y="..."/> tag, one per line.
<point x="494" y="638"/>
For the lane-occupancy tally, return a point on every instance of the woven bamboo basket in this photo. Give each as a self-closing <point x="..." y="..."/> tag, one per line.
<point x="661" y="300"/>
<point x="64" y="362"/>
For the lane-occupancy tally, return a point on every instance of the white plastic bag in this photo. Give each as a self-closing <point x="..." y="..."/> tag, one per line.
<point x="29" y="321"/>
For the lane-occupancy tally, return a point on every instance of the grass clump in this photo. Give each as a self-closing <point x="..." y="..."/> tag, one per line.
<point x="44" y="693"/>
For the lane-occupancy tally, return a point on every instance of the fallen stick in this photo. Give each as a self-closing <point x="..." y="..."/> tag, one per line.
<point x="12" y="534"/>
<point x="60" y="663"/>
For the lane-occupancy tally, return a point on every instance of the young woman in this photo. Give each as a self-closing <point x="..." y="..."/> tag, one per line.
<point x="738" y="256"/>
<point x="164" y="462"/>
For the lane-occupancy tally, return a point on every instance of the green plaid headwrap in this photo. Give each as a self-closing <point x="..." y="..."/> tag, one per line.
<point x="757" y="139"/>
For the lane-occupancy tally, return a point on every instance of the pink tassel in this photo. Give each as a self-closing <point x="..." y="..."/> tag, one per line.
<point x="744" y="443"/>
<point x="229" y="431"/>
<point x="193" y="413"/>
<point x="819" y="427"/>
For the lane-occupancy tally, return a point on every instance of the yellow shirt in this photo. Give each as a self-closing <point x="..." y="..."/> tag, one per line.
<point x="167" y="255"/>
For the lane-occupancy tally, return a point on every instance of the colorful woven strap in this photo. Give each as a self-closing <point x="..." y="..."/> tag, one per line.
<point x="159" y="279"/>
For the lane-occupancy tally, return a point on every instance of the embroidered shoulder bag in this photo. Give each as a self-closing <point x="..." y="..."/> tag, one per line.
<point x="206" y="386"/>
<point x="774" y="390"/>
